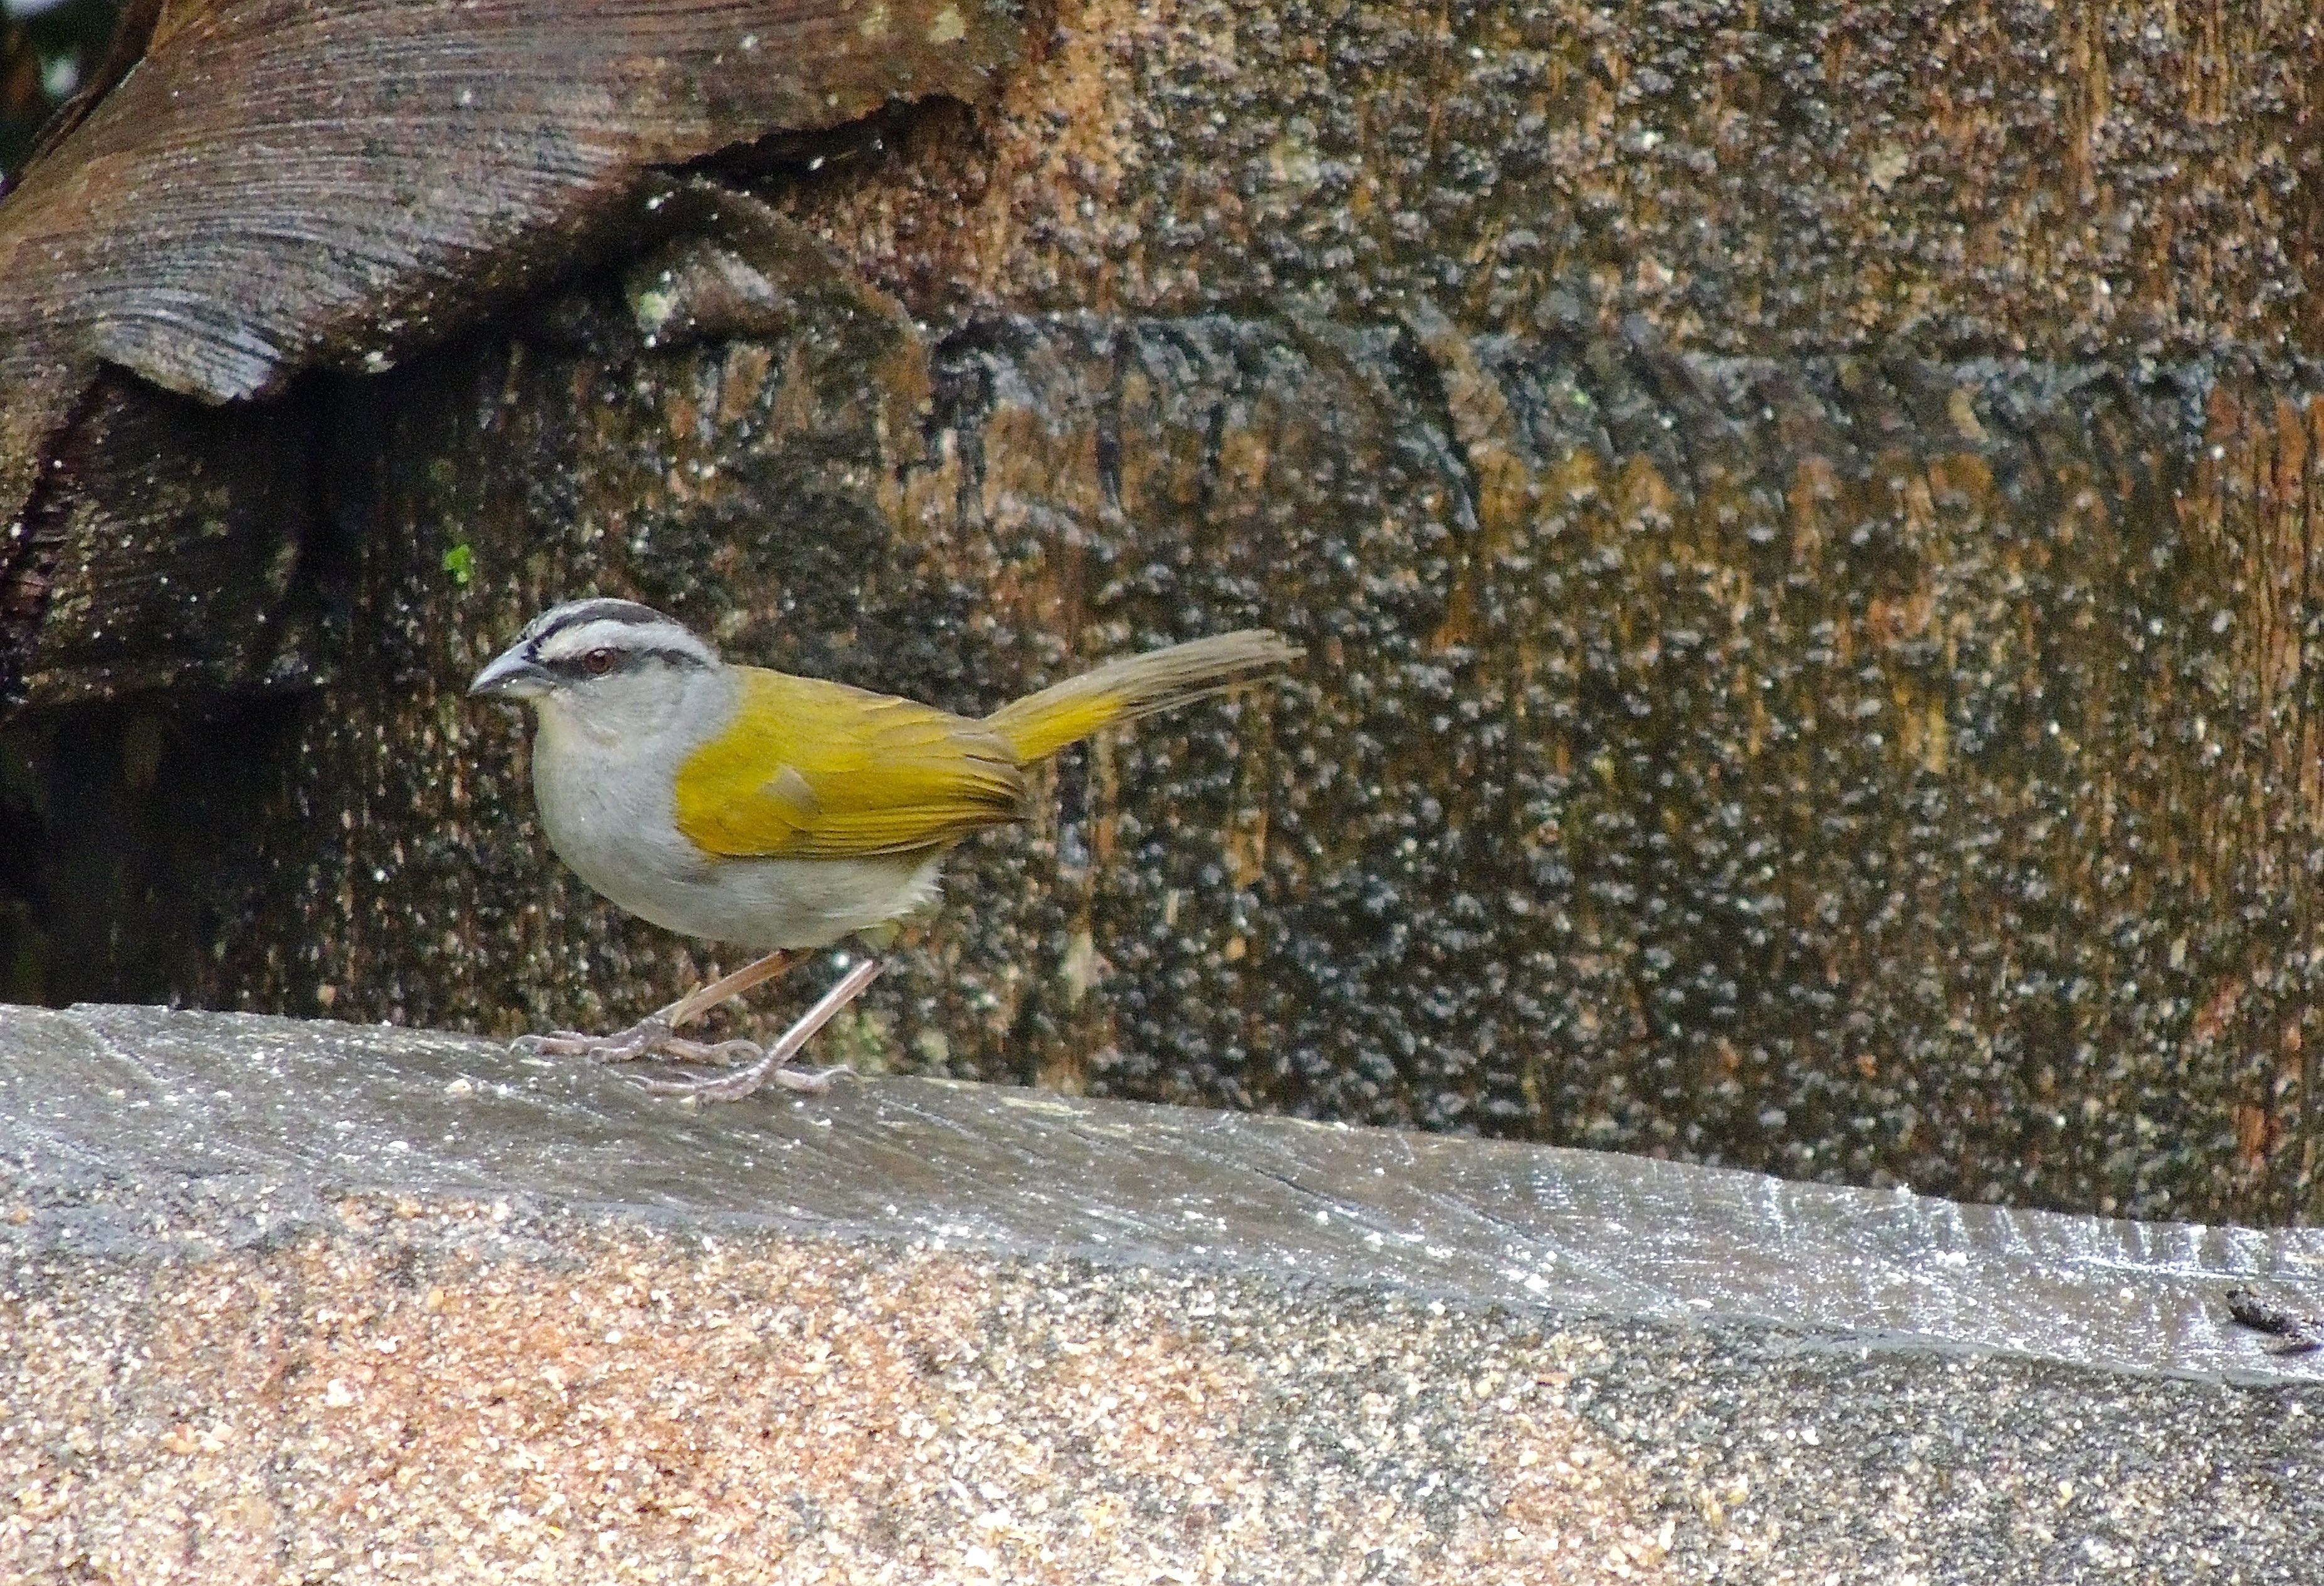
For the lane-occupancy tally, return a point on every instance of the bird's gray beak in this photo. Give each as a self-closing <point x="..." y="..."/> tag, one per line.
<point x="513" y="674"/>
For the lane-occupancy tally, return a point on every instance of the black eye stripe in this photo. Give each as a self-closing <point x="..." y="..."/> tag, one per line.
<point x="577" y="667"/>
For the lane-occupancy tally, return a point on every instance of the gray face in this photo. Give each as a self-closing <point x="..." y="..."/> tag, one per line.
<point x="611" y="654"/>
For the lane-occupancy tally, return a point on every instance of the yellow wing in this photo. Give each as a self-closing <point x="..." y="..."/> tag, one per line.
<point x="812" y="769"/>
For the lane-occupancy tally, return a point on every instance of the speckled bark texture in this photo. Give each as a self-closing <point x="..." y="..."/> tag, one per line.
<point x="2002" y="177"/>
<point x="1834" y="765"/>
<point x="1802" y="521"/>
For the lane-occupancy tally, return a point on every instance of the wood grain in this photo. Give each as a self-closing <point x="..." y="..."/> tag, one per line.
<point x="279" y="187"/>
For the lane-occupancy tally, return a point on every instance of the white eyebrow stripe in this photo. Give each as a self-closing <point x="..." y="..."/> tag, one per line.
<point x="574" y="612"/>
<point x="573" y="642"/>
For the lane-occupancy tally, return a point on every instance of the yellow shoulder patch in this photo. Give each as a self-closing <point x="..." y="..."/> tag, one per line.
<point x="811" y="770"/>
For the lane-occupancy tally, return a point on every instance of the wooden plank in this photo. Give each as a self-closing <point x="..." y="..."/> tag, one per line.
<point x="125" y="1092"/>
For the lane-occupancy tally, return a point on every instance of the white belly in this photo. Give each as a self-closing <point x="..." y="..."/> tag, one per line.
<point x="613" y="825"/>
<point x="768" y="903"/>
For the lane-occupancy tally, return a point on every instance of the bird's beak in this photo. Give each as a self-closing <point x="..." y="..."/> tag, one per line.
<point x="513" y="674"/>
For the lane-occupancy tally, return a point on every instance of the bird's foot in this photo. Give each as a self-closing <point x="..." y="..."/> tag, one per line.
<point x="651" y="1036"/>
<point x="711" y="1054"/>
<point x="734" y="1087"/>
<point x="655" y="1036"/>
<point x="772" y="1065"/>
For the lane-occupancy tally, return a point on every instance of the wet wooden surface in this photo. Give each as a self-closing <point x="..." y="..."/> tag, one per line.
<point x="122" y="1092"/>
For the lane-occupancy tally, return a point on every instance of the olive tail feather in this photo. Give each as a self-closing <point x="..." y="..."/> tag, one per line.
<point x="1039" y="724"/>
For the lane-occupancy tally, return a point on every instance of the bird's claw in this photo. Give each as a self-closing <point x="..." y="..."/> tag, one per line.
<point x="716" y="1054"/>
<point x="735" y="1086"/>
<point x="654" y="1036"/>
<point x="651" y="1036"/>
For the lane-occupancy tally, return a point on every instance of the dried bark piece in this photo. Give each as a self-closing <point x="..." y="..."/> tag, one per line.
<point x="276" y="187"/>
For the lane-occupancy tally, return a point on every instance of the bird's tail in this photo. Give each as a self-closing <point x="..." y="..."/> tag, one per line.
<point x="1039" y="724"/>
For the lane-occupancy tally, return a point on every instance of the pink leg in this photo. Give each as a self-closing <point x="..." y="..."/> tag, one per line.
<point x="656" y="1035"/>
<point x="731" y="1087"/>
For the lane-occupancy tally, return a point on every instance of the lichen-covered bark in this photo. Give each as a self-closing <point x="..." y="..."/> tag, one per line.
<point x="1994" y="178"/>
<point x="1863" y="767"/>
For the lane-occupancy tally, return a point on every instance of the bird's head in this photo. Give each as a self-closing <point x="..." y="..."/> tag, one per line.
<point x="604" y="666"/>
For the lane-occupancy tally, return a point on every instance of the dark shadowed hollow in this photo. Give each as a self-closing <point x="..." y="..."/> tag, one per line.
<point x="1804" y="527"/>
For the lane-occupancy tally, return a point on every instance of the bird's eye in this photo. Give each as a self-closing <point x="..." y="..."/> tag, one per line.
<point x="597" y="662"/>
